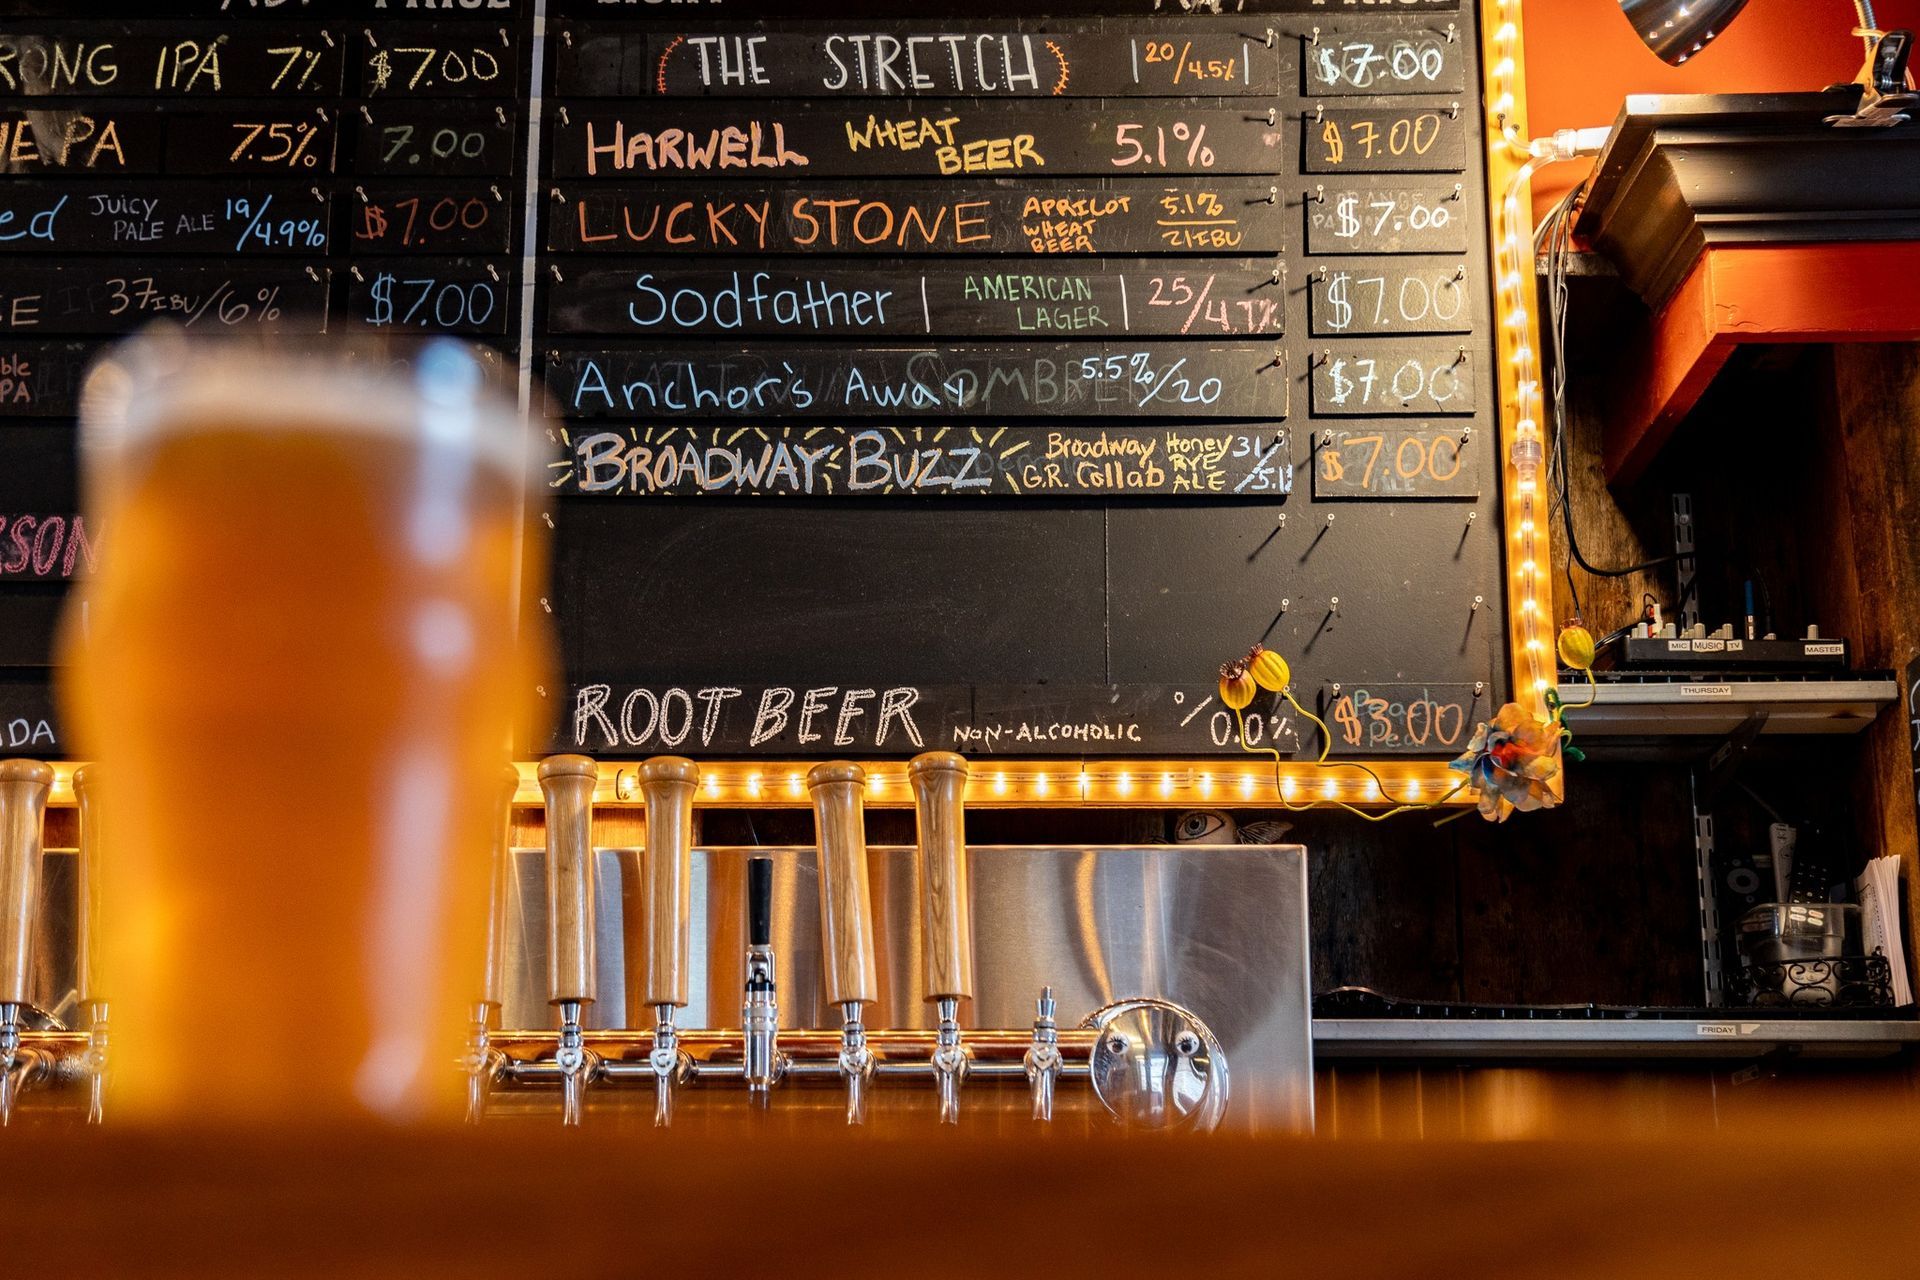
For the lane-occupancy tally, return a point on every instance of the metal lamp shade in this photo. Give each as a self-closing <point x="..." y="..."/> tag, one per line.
<point x="1677" y="29"/>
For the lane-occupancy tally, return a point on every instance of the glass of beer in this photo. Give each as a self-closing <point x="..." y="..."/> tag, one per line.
<point x="299" y="665"/>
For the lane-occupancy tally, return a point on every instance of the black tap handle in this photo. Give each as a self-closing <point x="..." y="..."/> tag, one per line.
<point x="759" y="902"/>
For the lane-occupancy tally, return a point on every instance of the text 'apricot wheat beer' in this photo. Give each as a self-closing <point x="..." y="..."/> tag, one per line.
<point x="298" y="665"/>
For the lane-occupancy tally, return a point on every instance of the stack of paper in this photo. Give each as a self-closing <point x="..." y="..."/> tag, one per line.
<point x="1877" y="889"/>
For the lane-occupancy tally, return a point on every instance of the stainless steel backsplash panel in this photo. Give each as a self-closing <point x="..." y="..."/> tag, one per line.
<point x="1222" y="930"/>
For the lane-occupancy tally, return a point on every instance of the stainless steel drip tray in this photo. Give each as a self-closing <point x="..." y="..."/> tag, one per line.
<point x="1221" y="930"/>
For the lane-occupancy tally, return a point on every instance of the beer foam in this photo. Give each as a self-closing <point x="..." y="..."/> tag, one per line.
<point x="156" y="387"/>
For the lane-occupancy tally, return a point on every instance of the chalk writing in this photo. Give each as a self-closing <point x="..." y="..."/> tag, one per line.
<point x="161" y="218"/>
<point x="1166" y="298"/>
<point x="1165" y="379"/>
<point x="1374" y="718"/>
<point x="1396" y="380"/>
<point x="47" y="546"/>
<point x="1385" y="140"/>
<point x="446" y="138"/>
<point x="904" y="59"/>
<point x="1351" y="301"/>
<point x="41" y="379"/>
<point x="1220" y="462"/>
<point x="1386" y="220"/>
<point x="439" y="295"/>
<point x="473" y="62"/>
<point x="99" y="297"/>
<point x="1388" y="460"/>
<point x="947" y="138"/>
<point x="747" y="718"/>
<point x="1383" y="62"/>
<point x="119" y="60"/>
<point x="995" y="216"/>
<point x="443" y="219"/>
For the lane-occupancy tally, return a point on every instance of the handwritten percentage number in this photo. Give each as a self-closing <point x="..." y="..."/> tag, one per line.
<point x="1135" y="151"/>
<point x="1260" y="727"/>
<point x="301" y="62"/>
<point x="1245" y="315"/>
<point x="282" y="145"/>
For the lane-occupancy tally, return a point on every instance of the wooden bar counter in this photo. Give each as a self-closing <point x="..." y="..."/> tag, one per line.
<point x="766" y="1200"/>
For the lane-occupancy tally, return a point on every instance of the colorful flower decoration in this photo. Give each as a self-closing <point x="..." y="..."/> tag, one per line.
<point x="1512" y="762"/>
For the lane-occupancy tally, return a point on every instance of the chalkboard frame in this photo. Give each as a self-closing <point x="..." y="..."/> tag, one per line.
<point x="1094" y="779"/>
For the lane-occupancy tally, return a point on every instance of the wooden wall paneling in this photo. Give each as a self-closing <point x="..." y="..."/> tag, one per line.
<point x="1381" y="904"/>
<point x="1593" y="902"/>
<point x="1876" y="400"/>
<point x="1612" y="531"/>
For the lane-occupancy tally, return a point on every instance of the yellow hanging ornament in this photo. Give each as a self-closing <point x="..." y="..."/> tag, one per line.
<point x="1236" y="686"/>
<point x="1268" y="669"/>
<point x="1575" y="646"/>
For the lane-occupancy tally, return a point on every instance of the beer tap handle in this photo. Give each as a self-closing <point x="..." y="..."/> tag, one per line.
<point x="483" y="1062"/>
<point x="500" y="891"/>
<point x="761" y="1011"/>
<point x="939" y="791"/>
<point x="567" y="784"/>
<point x="846" y="915"/>
<point x="668" y="783"/>
<point x="846" y="900"/>
<point x="23" y="805"/>
<point x="760" y="902"/>
<point x="86" y="934"/>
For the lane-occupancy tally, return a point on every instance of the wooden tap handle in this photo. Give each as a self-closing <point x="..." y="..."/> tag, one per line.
<point x="846" y="900"/>
<point x="668" y="783"/>
<point x="567" y="783"/>
<point x="86" y="874"/>
<point x="23" y="806"/>
<point x="500" y="891"/>
<point x="939" y="796"/>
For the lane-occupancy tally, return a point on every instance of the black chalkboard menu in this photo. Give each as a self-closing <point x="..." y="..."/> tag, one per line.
<point x="954" y="375"/>
<point x="964" y="377"/>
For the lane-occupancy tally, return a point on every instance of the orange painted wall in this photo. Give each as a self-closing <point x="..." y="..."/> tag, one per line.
<point x="1583" y="60"/>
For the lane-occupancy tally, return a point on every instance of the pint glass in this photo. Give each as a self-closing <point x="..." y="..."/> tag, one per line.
<point x="297" y="665"/>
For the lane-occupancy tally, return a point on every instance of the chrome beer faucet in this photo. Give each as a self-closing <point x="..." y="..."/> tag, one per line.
<point x="846" y="917"/>
<point x="762" y="1062"/>
<point x="668" y="783"/>
<point x="23" y="805"/>
<point x="483" y="1062"/>
<point x="1043" y="1060"/>
<point x="567" y="783"/>
<point x="939" y="791"/>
